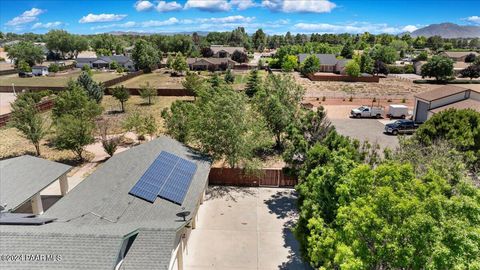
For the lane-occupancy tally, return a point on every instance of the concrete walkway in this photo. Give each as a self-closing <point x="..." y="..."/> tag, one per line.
<point x="245" y="228"/>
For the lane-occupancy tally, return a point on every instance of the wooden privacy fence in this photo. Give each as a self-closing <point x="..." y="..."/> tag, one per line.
<point x="261" y="177"/>
<point x="122" y="78"/>
<point x="42" y="106"/>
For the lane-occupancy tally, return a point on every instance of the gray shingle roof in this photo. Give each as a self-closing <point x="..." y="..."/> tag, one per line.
<point x="120" y="59"/>
<point x="100" y="205"/>
<point x="325" y="59"/>
<point x="24" y="176"/>
<point x="68" y="251"/>
<point x="229" y="49"/>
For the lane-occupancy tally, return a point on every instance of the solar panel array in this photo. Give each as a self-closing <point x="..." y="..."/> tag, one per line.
<point x="169" y="177"/>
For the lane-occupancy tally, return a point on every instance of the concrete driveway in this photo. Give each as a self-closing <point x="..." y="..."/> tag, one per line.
<point x="245" y="228"/>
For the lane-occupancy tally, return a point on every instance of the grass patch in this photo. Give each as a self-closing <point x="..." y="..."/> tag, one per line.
<point x="56" y="81"/>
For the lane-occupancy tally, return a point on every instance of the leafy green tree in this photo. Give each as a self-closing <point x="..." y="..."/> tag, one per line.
<point x="239" y="56"/>
<point x="259" y="40"/>
<point x="459" y="127"/>
<point x="179" y="64"/>
<point x="86" y="68"/>
<point x="310" y="128"/>
<point x="366" y="63"/>
<point x="435" y="43"/>
<point x="470" y="58"/>
<point x="147" y="92"/>
<point x="253" y="84"/>
<point x="25" y="51"/>
<point x="226" y="128"/>
<point x="134" y="123"/>
<point x="75" y="101"/>
<point x="121" y="94"/>
<point x="380" y="68"/>
<point x="27" y="119"/>
<point x="93" y="89"/>
<point x="472" y="71"/>
<point x="352" y="69"/>
<point x="386" y="54"/>
<point x="278" y="101"/>
<point x="347" y="50"/>
<point x="170" y="60"/>
<point x="145" y="56"/>
<point x="54" y="68"/>
<point x="310" y="65"/>
<point x="289" y="63"/>
<point x="24" y="66"/>
<point x="399" y="45"/>
<point x="439" y="67"/>
<point x="229" y="77"/>
<point x="114" y="65"/>
<point x="193" y="83"/>
<point x="215" y="81"/>
<point x="178" y="120"/>
<point x="74" y="133"/>
<point x="422" y="56"/>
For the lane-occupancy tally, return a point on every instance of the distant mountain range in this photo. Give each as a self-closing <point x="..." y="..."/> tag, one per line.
<point x="445" y="30"/>
<point x="448" y="30"/>
<point x="133" y="33"/>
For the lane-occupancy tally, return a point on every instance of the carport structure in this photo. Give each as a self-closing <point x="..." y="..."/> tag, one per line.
<point x="23" y="178"/>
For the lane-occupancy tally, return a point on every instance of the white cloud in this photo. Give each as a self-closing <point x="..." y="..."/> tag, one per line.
<point x="300" y="6"/>
<point x="47" y="25"/>
<point x="409" y="28"/>
<point x="168" y="6"/>
<point x="228" y="19"/>
<point x="243" y="4"/>
<point x="92" y="18"/>
<point x="354" y="28"/>
<point x="474" y="19"/>
<point x="26" y="17"/>
<point x="209" y="5"/>
<point x="153" y="23"/>
<point x="143" y="5"/>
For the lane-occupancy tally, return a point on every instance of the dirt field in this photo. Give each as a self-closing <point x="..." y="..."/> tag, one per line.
<point x="157" y="79"/>
<point x="391" y="87"/>
<point x="59" y="80"/>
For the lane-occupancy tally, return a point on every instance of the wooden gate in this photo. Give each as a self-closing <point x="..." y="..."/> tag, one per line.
<point x="270" y="179"/>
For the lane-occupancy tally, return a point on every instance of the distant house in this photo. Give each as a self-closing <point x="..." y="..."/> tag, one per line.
<point x="40" y="70"/>
<point x="457" y="67"/>
<point x="103" y="62"/>
<point x="442" y="98"/>
<point x="220" y="51"/>
<point x="458" y="56"/>
<point x="212" y="64"/>
<point x="328" y="62"/>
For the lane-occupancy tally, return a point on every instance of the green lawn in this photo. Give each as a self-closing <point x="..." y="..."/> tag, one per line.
<point x="60" y="80"/>
<point x="156" y="79"/>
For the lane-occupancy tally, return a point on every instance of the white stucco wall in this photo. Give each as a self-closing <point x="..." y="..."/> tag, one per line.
<point x="447" y="100"/>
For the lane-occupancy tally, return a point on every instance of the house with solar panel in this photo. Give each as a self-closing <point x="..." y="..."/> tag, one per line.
<point x="135" y="212"/>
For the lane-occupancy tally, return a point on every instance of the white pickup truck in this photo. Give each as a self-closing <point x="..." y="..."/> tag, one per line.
<point x="366" y="111"/>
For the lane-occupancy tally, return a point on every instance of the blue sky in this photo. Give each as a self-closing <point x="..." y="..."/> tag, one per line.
<point x="273" y="16"/>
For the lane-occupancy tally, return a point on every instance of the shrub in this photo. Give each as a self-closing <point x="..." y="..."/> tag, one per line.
<point x="310" y="65"/>
<point x="239" y="57"/>
<point x="24" y="66"/>
<point x="352" y="69"/>
<point x="147" y="92"/>
<point x="110" y="145"/>
<point x="54" y="68"/>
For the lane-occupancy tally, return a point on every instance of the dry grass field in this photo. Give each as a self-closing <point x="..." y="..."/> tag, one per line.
<point x="14" y="144"/>
<point x="389" y="87"/>
<point x="58" y="80"/>
<point x="157" y="79"/>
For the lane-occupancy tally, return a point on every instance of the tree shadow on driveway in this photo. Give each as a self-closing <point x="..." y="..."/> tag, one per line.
<point x="283" y="205"/>
<point x="229" y="193"/>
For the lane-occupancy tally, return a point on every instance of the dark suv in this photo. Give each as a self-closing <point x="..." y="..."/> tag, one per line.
<point x="401" y="126"/>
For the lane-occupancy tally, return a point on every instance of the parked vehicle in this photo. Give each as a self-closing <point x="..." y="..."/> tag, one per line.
<point x="366" y="111"/>
<point x="25" y="74"/>
<point x="401" y="127"/>
<point x="397" y="111"/>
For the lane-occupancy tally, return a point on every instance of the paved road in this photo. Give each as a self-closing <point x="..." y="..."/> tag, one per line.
<point x="245" y="228"/>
